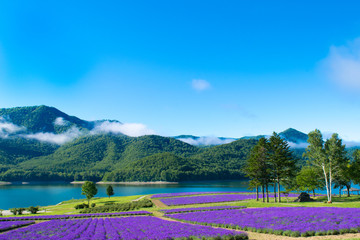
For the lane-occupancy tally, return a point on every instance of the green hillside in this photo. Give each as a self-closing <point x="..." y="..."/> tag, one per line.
<point x="42" y="118"/>
<point x="129" y="159"/>
<point x="113" y="157"/>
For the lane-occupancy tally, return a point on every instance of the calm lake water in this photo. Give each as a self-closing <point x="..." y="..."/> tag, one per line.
<point x="40" y="194"/>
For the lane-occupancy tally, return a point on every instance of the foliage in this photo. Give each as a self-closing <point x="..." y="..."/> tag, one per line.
<point x="309" y="179"/>
<point x="89" y="190"/>
<point x="329" y="157"/>
<point x="145" y="203"/>
<point x="109" y="191"/>
<point x="81" y="206"/>
<point x="33" y="210"/>
<point x="282" y="161"/>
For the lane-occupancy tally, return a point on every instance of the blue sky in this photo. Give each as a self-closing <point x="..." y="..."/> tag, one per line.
<point x="222" y="68"/>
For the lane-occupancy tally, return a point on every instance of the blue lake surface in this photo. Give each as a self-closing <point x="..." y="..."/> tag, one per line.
<point x="42" y="194"/>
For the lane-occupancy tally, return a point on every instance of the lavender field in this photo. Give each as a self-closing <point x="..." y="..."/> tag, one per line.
<point x="211" y="199"/>
<point x="212" y="208"/>
<point x="67" y="216"/>
<point x="9" y="225"/>
<point x="140" y="227"/>
<point x="295" y="221"/>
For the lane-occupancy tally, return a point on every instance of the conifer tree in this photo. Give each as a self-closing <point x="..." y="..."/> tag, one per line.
<point x="257" y="166"/>
<point x="282" y="162"/>
<point x="109" y="191"/>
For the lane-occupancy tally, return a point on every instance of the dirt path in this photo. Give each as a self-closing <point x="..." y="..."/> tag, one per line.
<point x="138" y="199"/>
<point x="158" y="203"/>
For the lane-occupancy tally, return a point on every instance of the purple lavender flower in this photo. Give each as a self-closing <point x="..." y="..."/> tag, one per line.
<point x="141" y="227"/>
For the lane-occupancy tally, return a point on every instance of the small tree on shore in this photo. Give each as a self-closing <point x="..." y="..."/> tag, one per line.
<point x="109" y="191"/>
<point x="89" y="190"/>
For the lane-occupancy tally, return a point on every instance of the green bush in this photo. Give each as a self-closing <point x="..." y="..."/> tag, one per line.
<point x="81" y="206"/>
<point x="13" y="211"/>
<point x="120" y="207"/>
<point x="93" y="205"/>
<point x="287" y="233"/>
<point x="33" y="210"/>
<point x="295" y="234"/>
<point x="320" y="233"/>
<point x="20" y="211"/>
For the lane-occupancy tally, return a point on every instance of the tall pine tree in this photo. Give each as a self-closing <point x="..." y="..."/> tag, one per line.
<point x="257" y="167"/>
<point x="282" y="161"/>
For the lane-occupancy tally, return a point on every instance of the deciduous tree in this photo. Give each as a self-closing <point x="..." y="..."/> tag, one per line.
<point x="89" y="190"/>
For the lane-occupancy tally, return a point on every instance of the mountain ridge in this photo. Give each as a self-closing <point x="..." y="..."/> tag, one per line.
<point x="92" y="153"/>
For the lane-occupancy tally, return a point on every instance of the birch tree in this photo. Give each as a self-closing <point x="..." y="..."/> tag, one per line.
<point x="330" y="157"/>
<point x="336" y="158"/>
<point x="315" y="153"/>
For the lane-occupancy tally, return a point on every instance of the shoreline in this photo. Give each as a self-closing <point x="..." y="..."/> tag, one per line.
<point x="127" y="183"/>
<point x="5" y="183"/>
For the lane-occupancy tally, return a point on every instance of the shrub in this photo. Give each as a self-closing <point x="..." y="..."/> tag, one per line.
<point x="33" y="210"/>
<point x="20" y="211"/>
<point x="81" y="206"/>
<point x="13" y="211"/>
<point x="93" y="205"/>
<point x="119" y="207"/>
<point x="295" y="234"/>
<point x="287" y="233"/>
<point x="320" y="233"/>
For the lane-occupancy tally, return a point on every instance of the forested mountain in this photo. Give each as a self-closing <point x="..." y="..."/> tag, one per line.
<point x="43" y="119"/>
<point x="92" y="155"/>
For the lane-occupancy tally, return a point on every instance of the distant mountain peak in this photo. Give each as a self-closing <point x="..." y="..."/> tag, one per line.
<point x="293" y="135"/>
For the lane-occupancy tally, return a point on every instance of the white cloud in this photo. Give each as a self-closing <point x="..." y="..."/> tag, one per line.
<point x="206" y="141"/>
<point x="200" y="84"/>
<point x="342" y="65"/>
<point x="60" y="122"/>
<point x="7" y="128"/>
<point x="129" y="129"/>
<point x="298" y="145"/>
<point x="61" y="138"/>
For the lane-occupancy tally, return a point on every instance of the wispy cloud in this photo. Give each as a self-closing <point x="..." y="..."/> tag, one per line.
<point x="129" y="129"/>
<point x="7" y="128"/>
<point x="298" y="145"/>
<point x="200" y="85"/>
<point x="60" y="122"/>
<point x="59" y="139"/>
<point x="206" y="141"/>
<point x="342" y="65"/>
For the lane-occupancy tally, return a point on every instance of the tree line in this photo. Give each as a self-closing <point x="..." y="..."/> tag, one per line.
<point x="272" y="163"/>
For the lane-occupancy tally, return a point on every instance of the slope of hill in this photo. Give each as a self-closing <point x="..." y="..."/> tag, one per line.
<point x="96" y="155"/>
<point x="43" y="119"/>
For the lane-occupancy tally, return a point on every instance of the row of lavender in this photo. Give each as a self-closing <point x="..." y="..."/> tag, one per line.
<point x="181" y="194"/>
<point x="288" y="221"/>
<point x="213" y="208"/>
<point x="4" y="226"/>
<point x="141" y="227"/>
<point x="87" y="215"/>
<point x="211" y="199"/>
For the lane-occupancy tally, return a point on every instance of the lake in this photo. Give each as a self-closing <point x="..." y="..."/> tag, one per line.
<point x="43" y="194"/>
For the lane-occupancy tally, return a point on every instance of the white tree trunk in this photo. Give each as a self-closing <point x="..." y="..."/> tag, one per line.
<point x="326" y="182"/>
<point x="330" y="183"/>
